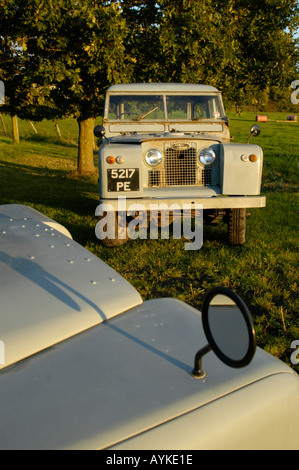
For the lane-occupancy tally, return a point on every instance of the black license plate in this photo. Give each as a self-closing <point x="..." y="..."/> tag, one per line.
<point x="123" y="179"/>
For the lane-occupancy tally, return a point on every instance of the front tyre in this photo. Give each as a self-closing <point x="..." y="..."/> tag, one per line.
<point x="237" y="226"/>
<point x="119" y="235"/>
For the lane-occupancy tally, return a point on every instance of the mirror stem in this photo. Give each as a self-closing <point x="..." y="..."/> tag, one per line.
<point x="197" y="372"/>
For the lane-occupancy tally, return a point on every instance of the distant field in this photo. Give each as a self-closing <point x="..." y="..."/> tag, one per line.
<point x="40" y="172"/>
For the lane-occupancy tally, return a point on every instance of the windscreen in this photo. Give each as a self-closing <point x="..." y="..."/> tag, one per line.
<point x="151" y="107"/>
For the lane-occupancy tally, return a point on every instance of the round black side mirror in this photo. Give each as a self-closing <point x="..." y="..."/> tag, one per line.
<point x="99" y="131"/>
<point x="229" y="329"/>
<point x="254" y="131"/>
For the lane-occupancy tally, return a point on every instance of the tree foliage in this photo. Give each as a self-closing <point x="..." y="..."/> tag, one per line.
<point x="57" y="57"/>
<point x="265" y="50"/>
<point x="237" y="45"/>
<point x="142" y="43"/>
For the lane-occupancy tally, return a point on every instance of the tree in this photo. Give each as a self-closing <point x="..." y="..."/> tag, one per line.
<point x="72" y="51"/>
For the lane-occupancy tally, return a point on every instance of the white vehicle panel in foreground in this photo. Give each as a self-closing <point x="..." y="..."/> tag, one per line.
<point x="127" y="377"/>
<point x="51" y="287"/>
<point x="89" y="366"/>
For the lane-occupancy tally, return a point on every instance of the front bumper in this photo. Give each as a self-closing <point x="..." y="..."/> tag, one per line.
<point x="219" y="202"/>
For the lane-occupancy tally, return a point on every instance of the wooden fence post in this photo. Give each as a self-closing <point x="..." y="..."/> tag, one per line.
<point x="3" y="124"/>
<point x="33" y="127"/>
<point x="15" y="130"/>
<point x="58" y="130"/>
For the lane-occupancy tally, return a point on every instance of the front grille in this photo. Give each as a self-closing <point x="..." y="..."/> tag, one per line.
<point x="206" y="176"/>
<point x="180" y="164"/>
<point x="156" y="178"/>
<point x="181" y="167"/>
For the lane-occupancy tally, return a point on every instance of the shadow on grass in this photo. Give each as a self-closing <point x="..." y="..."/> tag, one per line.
<point x="50" y="140"/>
<point x="56" y="193"/>
<point x="215" y="233"/>
<point x="15" y="168"/>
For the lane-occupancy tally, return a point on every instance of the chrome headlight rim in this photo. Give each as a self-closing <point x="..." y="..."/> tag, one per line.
<point x="153" y="157"/>
<point x="207" y="156"/>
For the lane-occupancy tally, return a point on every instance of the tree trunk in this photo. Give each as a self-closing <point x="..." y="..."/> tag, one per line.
<point x="15" y="130"/>
<point x="86" y="143"/>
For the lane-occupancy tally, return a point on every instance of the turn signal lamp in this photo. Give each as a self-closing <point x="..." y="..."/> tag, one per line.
<point x="253" y="158"/>
<point x="110" y="159"/>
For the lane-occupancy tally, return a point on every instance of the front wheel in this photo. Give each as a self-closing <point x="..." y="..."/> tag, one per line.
<point x="237" y="226"/>
<point x="117" y="236"/>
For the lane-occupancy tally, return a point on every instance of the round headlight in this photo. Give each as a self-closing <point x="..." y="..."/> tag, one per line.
<point x="153" y="157"/>
<point x="207" y="156"/>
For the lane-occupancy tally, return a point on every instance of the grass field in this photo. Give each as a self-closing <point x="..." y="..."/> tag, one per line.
<point x="40" y="172"/>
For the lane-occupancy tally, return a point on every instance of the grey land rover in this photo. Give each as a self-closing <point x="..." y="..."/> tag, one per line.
<point x="170" y="144"/>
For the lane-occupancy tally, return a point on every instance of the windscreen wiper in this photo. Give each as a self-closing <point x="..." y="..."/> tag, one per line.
<point x="146" y="114"/>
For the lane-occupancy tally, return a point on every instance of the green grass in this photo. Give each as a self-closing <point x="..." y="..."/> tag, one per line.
<point x="40" y="172"/>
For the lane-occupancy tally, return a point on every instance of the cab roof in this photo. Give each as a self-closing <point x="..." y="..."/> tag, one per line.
<point x="162" y="88"/>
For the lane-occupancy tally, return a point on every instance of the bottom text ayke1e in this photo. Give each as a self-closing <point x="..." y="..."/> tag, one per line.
<point x="154" y="459"/>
